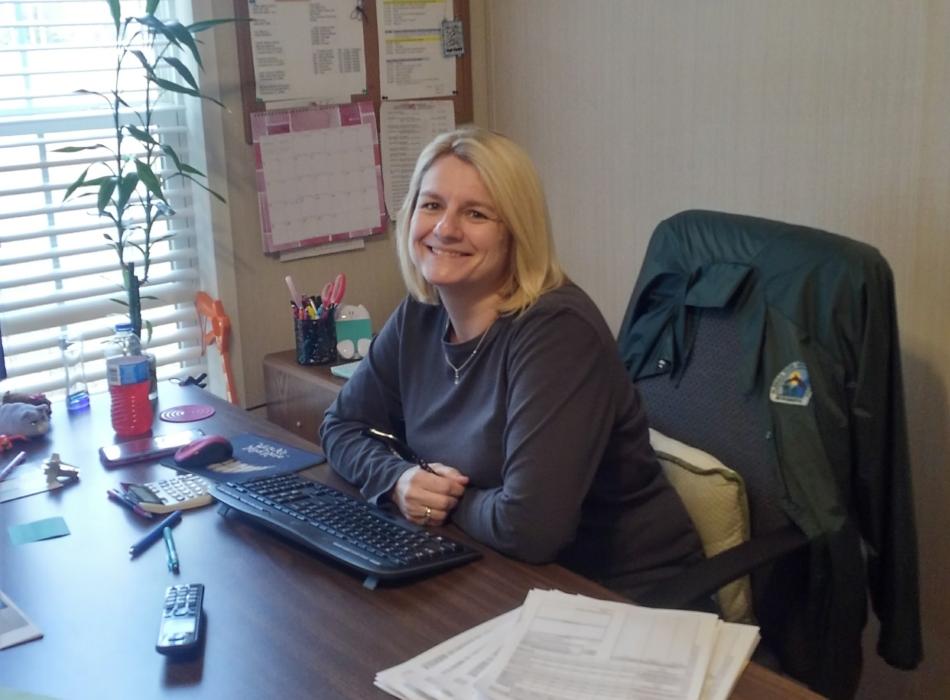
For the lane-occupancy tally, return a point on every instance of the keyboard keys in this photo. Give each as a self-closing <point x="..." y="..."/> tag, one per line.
<point x="344" y="528"/>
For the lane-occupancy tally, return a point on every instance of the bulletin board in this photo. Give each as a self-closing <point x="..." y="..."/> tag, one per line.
<point x="462" y="97"/>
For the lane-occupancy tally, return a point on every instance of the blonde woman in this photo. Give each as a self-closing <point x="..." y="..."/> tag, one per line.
<point x="503" y="376"/>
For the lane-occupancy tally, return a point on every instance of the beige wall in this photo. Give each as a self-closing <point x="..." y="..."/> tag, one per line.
<point x="829" y="114"/>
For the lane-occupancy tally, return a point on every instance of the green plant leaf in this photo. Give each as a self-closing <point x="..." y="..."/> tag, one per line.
<point x="185" y="168"/>
<point x="141" y="135"/>
<point x="116" y="14"/>
<point x="76" y="149"/>
<point x="181" y="33"/>
<point x="175" y="87"/>
<point x="143" y="59"/>
<point x="154" y="25"/>
<point x="170" y="152"/>
<point x="147" y="177"/>
<point x="182" y="70"/>
<point x="207" y="189"/>
<point x="105" y="194"/>
<point x="104" y="96"/>
<point x="129" y="182"/>
<point x="77" y="183"/>
<point x="175" y="32"/>
<point x="151" y="7"/>
<point x="209" y="23"/>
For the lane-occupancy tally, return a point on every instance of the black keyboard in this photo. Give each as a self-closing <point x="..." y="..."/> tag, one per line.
<point x="373" y="541"/>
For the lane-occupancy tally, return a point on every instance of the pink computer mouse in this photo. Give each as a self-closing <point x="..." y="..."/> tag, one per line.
<point x="204" y="451"/>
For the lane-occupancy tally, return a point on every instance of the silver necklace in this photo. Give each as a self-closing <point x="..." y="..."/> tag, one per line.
<point x="468" y="359"/>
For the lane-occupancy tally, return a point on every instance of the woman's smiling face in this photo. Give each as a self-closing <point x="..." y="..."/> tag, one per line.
<point x="459" y="245"/>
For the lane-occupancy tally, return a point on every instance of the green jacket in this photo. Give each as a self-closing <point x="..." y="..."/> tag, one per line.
<point x="820" y="351"/>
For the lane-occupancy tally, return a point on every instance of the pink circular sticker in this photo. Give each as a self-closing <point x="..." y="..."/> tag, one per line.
<point x="187" y="413"/>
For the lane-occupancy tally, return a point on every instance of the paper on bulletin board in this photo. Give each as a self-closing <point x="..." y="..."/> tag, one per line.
<point x="307" y="50"/>
<point x="319" y="177"/>
<point x="405" y="129"/>
<point x="411" y="64"/>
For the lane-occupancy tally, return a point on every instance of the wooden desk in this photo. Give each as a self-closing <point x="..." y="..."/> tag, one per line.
<point x="280" y="622"/>
<point x="298" y="395"/>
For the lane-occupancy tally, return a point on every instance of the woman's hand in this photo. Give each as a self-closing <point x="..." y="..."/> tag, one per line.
<point x="427" y="499"/>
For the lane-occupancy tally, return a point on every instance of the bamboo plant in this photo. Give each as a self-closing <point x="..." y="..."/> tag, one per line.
<point x="131" y="182"/>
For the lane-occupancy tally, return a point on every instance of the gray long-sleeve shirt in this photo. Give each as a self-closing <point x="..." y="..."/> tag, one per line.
<point x="545" y="423"/>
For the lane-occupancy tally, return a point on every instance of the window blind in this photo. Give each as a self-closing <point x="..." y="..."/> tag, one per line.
<point x="58" y="274"/>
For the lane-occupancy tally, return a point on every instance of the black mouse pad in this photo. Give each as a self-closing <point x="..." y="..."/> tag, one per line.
<point x="255" y="457"/>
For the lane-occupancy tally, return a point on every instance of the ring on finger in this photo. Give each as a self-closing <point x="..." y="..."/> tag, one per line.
<point x="428" y="516"/>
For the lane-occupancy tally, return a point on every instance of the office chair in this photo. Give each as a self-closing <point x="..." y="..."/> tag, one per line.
<point x="773" y="347"/>
<point x="212" y="310"/>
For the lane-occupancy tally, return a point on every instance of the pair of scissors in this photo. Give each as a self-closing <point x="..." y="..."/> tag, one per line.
<point x="332" y="293"/>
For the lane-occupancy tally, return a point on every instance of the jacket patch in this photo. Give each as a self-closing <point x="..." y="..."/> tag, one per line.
<point x="791" y="385"/>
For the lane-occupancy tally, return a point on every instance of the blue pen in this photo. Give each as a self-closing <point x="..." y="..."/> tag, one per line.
<point x="154" y="534"/>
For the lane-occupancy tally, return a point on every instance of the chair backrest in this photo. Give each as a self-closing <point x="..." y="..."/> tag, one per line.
<point x="707" y="409"/>
<point x="211" y="313"/>
<point x="774" y="348"/>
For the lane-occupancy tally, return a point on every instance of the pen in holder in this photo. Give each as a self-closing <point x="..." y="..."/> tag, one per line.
<point x="316" y="340"/>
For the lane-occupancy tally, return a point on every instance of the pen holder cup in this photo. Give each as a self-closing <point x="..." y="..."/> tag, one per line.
<point x="315" y="340"/>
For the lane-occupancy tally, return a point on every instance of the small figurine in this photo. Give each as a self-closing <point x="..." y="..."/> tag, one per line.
<point x="58" y="472"/>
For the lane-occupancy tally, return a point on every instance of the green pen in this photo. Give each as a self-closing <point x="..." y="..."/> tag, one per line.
<point x="170" y="551"/>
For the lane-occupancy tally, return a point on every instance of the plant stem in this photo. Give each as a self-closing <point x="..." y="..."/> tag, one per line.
<point x="135" y="301"/>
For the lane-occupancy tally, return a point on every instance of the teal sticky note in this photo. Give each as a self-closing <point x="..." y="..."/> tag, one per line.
<point x="38" y="530"/>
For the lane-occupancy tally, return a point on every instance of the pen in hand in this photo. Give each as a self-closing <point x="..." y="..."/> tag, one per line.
<point x="171" y="554"/>
<point x="154" y="534"/>
<point x="399" y="448"/>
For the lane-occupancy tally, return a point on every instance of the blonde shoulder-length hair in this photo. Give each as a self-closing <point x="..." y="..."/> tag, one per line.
<point x="518" y="198"/>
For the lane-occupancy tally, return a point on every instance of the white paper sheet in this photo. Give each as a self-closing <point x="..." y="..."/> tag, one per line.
<point x="734" y="646"/>
<point x="567" y="646"/>
<point x="411" y="63"/>
<point x="307" y="50"/>
<point x="15" y="627"/>
<point x="562" y="647"/>
<point x="405" y="129"/>
<point x="449" y="670"/>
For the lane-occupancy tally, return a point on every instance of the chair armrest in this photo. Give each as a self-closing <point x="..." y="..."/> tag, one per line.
<point x="702" y="580"/>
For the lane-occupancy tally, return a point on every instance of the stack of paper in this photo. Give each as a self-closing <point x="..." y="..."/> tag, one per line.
<point x="562" y="646"/>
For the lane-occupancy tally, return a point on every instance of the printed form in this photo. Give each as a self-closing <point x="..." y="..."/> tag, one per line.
<point x="405" y="129"/>
<point x="560" y="647"/>
<point x="568" y="646"/>
<point x="307" y="51"/>
<point x="411" y="63"/>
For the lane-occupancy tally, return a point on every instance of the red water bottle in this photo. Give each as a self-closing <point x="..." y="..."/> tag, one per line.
<point x="128" y="384"/>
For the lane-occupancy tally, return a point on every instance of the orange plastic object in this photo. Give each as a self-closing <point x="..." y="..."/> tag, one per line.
<point x="212" y="310"/>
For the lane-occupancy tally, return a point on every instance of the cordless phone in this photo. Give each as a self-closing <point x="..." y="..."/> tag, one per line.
<point x="180" y="630"/>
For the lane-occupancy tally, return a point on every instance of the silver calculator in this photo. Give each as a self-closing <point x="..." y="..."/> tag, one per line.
<point x="177" y="493"/>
